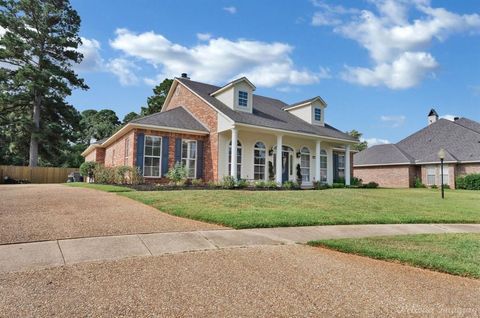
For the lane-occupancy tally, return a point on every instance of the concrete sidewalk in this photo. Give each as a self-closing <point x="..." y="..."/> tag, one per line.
<point x="28" y="256"/>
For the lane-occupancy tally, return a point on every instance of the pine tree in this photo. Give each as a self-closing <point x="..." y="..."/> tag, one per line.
<point x="37" y="54"/>
<point x="155" y="102"/>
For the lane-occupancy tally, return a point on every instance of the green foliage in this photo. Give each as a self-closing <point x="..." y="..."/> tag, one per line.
<point x="337" y="185"/>
<point x="242" y="183"/>
<point x="339" y="180"/>
<point x="370" y="185"/>
<point x="212" y="184"/>
<point x="129" y="117"/>
<point x="178" y="174"/>
<point x="418" y="183"/>
<point x="469" y="182"/>
<point x="271" y="184"/>
<point x="356" y="182"/>
<point x="39" y="49"/>
<point x="87" y="169"/>
<point x="260" y="184"/>
<point x="433" y="186"/>
<point x="104" y="175"/>
<point x="290" y="185"/>
<point x="317" y="185"/>
<point x="357" y="135"/>
<point x="271" y="172"/>
<point x="197" y="182"/>
<point x="98" y="124"/>
<point x="228" y="182"/>
<point x="155" y="102"/>
<point x="122" y="174"/>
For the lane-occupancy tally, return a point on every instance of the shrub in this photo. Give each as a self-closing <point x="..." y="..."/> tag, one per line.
<point x="242" y="183"/>
<point x="177" y="174"/>
<point x="271" y="184"/>
<point x="122" y="174"/>
<point x="433" y="186"/>
<point x="371" y="185"/>
<point x="299" y="174"/>
<point x="320" y="186"/>
<point x="356" y="182"/>
<point x="87" y="169"/>
<point x="418" y="183"/>
<point x="197" y="182"/>
<point x="105" y="175"/>
<point x="339" y="180"/>
<point x="260" y="184"/>
<point x="136" y="176"/>
<point x="337" y="185"/>
<point x="228" y="182"/>
<point x="446" y="186"/>
<point x="289" y="185"/>
<point x="212" y="184"/>
<point x="469" y="182"/>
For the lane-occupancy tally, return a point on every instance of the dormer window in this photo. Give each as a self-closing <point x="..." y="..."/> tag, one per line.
<point x="318" y="114"/>
<point x="242" y="99"/>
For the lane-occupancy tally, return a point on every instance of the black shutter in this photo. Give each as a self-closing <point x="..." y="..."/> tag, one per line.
<point x="165" y="156"/>
<point x="178" y="150"/>
<point x="140" y="148"/>
<point x="335" y="167"/>
<point x="199" y="159"/>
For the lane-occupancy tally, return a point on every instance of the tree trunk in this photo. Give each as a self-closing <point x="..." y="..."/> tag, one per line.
<point x="33" y="158"/>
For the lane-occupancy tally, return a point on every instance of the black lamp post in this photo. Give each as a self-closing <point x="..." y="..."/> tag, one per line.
<point x="441" y="155"/>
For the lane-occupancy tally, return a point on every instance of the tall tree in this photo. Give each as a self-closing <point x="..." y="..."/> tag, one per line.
<point x="37" y="54"/>
<point x="358" y="135"/>
<point x="98" y="124"/>
<point x="129" y="117"/>
<point x="155" y="102"/>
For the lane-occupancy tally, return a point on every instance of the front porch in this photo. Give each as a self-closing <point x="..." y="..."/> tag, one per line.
<point x="260" y="155"/>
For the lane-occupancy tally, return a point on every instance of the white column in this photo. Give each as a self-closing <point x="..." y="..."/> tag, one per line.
<point x="233" y="167"/>
<point x="347" y="165"/>
<point x="317" y="161"/>
<point x="329" y="166"/>
<point x="278" y="163"/>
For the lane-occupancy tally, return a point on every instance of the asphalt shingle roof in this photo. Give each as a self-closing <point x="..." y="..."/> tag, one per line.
<point x="176" y="118"/>
<point x="460" y="139"/>
<point x="267" y="112"/>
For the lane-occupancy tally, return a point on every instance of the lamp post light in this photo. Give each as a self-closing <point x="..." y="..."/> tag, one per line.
<point x="441" y="155"/>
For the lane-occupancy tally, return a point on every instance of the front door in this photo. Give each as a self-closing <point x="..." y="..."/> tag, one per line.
<point x="285" y="165"/>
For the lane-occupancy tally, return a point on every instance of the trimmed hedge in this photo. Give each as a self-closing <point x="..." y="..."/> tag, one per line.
<point x="468" y="182"/>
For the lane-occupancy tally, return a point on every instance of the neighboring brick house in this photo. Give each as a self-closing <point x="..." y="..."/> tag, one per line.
<point x="398" y="165"/>
<point x="203" y="126"/>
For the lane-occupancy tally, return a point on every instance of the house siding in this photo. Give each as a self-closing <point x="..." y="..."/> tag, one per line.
<point x="115" y="153"/>
<point x="208" y="117"/>
<point x="387" y="176"/>
<point x="467" y="168"/>
<point x="96" y="155"/>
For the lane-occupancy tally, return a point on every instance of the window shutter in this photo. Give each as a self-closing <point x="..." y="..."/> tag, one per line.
<point x="165" y="156"/>
<point x="199" y="159"/>
<point x="178" y="150"/>
<point x="335" y="166"/>
<point x="140" y="148"/>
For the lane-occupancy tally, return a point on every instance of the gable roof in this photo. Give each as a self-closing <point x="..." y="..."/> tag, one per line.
<point x="175" y="118"/>
<point x="267" y="112"/>
<point x="230" y="84"/>
<point x="460" y="139"/>
<point x="310" y="100"/>
<point x="432" y="112"/>
<point x="382" y="155"/>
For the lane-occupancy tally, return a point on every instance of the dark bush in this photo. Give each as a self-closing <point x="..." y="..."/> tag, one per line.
<point x="371" y="185"/>
<point x="418" y="183"/>
<point x="87" y="168"/>
<point x="469" y="182"/>
<point x="290" y="185"/>
<point x="317" y="185"/>
<point x="337" y="185"/>
<point x="242" y="184"/>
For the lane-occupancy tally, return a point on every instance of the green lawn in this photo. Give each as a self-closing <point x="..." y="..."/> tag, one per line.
<point x="457" y="254"/>
<point x="252" y="209"/>
<point x="102" y="187"/>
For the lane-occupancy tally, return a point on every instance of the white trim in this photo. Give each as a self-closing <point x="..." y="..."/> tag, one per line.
<point x="196" y="154"/>
<point x="383" y="164"/>
<point x="241" y="79"/>
<point x="265" y="165"/>
<point x="229" y="155"/>
<point x="287" y="108"/>
<point x="160" y="157"/>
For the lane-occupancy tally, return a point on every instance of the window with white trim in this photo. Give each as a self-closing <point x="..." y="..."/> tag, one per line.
<point x="305" y="164"/>
<point x="318" y="114"/>
<point x="239" y="159"/>
<point x="242" y="98"/>
<point x="323" y="166"/>
<point x="445" y="174"/>
<point x="259" y="161"/>
<point x="152" y="156"/>
<point x="127" y="150"/>
<point x="431" y="174"/>
<point x="341" y="165"/>
<point x="189" y="157"/>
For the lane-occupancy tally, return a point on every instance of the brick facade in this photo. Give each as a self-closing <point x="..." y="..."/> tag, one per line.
<point x="387" y="176"/>
<point x="96" y="155"/>
<point x="116" y="155"/>
<point x="467" y="168"/>
<point x="208" y="117"/>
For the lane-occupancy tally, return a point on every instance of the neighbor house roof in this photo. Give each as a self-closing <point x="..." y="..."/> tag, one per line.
<point x="267" y="112"/>
<point x="460" y="139"/>
<point x="175" y="118"/>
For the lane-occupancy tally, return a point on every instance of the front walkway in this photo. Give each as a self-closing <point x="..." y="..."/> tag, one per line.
<point x="27" y="256"/>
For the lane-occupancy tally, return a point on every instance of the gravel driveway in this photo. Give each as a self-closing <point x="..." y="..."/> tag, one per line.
<point x="54" y="211"/>
<point x="268" y="281"/>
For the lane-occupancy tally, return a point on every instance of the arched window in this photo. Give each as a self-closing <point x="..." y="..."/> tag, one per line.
<point x="305" y="164"/>
<point x="259" y="160"/>
<point x="323" y="166"/>
<point x="239" y="159"/>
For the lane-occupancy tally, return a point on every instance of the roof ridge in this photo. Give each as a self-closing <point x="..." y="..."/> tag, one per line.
<point x="151" y="115"/>
<point x="404" y="153"/>
<point x="455" y="122"/>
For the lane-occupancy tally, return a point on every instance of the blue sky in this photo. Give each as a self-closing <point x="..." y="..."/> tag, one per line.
<point x="379" y="64"/>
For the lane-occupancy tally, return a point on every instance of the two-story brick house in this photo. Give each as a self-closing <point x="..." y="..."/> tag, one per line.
<point x="211" y="129"/>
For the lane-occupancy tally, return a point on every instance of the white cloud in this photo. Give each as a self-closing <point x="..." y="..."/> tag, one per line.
<point x="327" y="14"/>
<point x="204" y="36"/>
<point x="231" y="10"/>
<point x="393" y="121"/>
<point x="449" y="117"/>
<point x="375" y="141"/>
<point x="218" y="60"/>
<point x="396" y="44"/>
<point x="124" y="70"/>
<point x="92" y="60"/>
<point x="2" y="31"/>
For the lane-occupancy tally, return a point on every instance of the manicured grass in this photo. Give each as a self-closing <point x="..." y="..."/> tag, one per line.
<point x="457" y="254"/>
<point x="102" y="187"/>
<point x="252" y="209"/>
